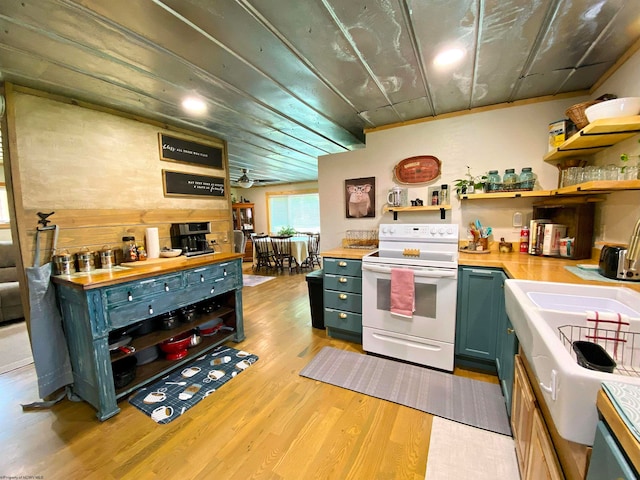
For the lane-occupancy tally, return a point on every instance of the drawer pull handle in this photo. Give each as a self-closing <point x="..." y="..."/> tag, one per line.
<point x="166" y="287"/>
<point x="342" y="280"/>
<point x="213" y="289"/>
<point x="343" y="315"/>
<point x="510" y="331"/>
<point x="224" y="272"/>
<point x="150" y="310"/>
<point x="201" y="278"/>
<point x="342" y="264"/>
<point x="129" y="297"/>
<point x="343" y="296"/>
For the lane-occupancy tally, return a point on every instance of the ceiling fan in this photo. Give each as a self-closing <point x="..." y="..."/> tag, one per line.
<point x="245" y="182"/>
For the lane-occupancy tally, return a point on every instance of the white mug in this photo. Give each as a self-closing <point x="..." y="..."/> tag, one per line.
<point x="154" y="397"/>
<point x="161" y="413"/>
<point x="394" y="198"/>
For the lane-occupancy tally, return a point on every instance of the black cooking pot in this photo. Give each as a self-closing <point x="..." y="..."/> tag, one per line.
<point x="188" y="314"/>
<point x="168" y="321"/>
<point x="124" y="371"/>
<point x="145" y="327"/>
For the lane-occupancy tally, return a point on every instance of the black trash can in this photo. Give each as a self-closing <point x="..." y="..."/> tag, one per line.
<point x="315" y="283"/>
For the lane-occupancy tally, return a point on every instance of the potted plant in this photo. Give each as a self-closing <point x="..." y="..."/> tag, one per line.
<point x="284" y="231"/>
<point x="470" y="183"/>
<point x="624" y="158"/>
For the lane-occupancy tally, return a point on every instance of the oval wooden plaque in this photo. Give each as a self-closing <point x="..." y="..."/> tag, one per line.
<point x="416" y="170"/>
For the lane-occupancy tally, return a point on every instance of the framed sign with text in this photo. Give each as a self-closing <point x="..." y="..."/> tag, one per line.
<point x="187" y="151"/>
<point x="180" y="184"/>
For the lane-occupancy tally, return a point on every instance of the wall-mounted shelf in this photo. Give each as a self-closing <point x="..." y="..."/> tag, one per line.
<point x="601" y="186"/>
<point x="427" y="208"/>
<point x="595" y="137"/>
<point x="526" y="193"/>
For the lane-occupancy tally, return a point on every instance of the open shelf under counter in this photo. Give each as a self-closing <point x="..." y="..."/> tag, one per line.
<point x="425" y="208"/>
<point x="595" y="137"/>
<point x="599" y="186"/>
<point x="516" y="194"/>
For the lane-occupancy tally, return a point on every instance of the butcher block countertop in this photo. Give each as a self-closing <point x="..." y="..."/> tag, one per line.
<point x="137" y="270"/>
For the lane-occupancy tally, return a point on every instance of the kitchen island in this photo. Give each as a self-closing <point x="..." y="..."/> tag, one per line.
<point x="101" y="303"/>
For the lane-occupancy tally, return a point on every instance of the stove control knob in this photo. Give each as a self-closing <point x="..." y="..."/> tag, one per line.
<point x="449" y="231"/>
<point x="433" y="230"/>
<point x="441" y="231"/>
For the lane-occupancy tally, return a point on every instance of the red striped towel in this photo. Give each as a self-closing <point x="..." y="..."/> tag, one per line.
<point x="607" y="329"/>
<point x="402" y="292"/>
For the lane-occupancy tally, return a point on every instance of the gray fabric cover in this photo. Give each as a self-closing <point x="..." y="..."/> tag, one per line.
<point x="239" y="241"/>
<point x="10" y="300"/>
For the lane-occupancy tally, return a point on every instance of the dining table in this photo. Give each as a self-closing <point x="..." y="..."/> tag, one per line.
<point x="299" y="249"/>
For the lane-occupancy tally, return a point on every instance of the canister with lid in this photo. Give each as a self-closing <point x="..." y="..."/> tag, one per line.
<point x="526" y="177"/>
<point x="129" y="249"/>
<point x="63" y="263"/>
<point x="107" y="257"/>
<point x="86" y="261"/>
<point x="493" y="180"/>
<point x="510" y="178"/>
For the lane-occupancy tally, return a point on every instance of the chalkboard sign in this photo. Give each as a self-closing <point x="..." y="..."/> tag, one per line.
<point x="179" y="184"/>
<point x="179" y="150"/>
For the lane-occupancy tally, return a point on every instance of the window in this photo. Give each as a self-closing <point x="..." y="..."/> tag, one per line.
<point x="301" y="211"/>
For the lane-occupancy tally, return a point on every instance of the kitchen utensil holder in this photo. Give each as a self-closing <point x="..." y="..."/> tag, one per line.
<point x="622" y="347"/>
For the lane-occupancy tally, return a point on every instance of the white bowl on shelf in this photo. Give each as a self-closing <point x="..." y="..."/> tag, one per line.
<point x="618" y="107"/>
<point x="174" y="252"/>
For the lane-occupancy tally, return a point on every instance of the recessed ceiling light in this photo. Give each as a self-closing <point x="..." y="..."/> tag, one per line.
<point x="448" y="57"/>
<point x="194" y="105"/>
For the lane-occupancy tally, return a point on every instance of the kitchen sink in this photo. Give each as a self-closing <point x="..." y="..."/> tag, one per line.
<point x="548" y="317"/>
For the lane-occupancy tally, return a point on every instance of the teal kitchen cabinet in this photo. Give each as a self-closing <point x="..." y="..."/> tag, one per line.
<point x="480" y="312"/>
<point x="507" y="347"/>
<point x="342" y="296"/>
<point x="607" y="458"/>
<point x="94" y="310"/>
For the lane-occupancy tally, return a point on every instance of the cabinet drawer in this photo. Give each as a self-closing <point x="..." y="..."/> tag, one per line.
<point x="351" y="302"/>
<point x="212" y="273"/>
<point x="130" y="312"/>
<point x="343" y="283"/>
<point x="342" y="266"/>
<point x="135" y="291"/>
<point x="348" y="321"/>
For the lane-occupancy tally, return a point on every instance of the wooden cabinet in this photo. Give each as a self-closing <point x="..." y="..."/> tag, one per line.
<point x="523" y="404"/>
<point x="243" y="219"/>
<point x="91" y="313"/>
<point x="577" y="214"/>
<point x="542" y="462"/>
<point x="342" y="298"/>
<point x="480" y="309"/>
<point x="534" y="450"/>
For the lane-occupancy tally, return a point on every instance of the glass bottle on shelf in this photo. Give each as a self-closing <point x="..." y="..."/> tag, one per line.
<point x="510" y="178"/>
<point x="493" y="180"/>
<point x="527" y="178"/>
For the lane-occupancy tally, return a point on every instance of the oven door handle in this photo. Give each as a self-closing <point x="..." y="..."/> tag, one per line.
<point x="422" y="272"/>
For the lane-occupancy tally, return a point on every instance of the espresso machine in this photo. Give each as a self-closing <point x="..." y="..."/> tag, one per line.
<point x="191" y="238"/>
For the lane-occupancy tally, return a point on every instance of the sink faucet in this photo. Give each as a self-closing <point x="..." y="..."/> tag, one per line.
<point x="633" y="252"/>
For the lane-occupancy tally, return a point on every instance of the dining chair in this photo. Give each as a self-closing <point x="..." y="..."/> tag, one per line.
<point x="313" y="248"/>
<point x="281" y="245"/>
<point x="264" y="256"/>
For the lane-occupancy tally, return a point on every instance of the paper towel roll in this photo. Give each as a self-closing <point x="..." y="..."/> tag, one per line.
<point x="153" y="243"/>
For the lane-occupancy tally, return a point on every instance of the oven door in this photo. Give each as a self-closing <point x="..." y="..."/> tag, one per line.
<point x="428" y="336"/>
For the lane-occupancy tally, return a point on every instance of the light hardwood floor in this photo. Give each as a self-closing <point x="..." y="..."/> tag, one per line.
<point x="269" y="423"/>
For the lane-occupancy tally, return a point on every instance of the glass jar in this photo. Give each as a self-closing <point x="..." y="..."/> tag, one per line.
<point x="510" y="178"/>
<point x="129" y="249"/>
<point x="493" y="180"/>
<point x="526" y="178"/>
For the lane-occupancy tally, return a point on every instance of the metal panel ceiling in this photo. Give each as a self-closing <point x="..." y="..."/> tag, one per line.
<point x="286" y="81"/>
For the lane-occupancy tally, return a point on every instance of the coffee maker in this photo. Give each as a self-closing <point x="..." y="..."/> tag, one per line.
<point x="191" y="238"/>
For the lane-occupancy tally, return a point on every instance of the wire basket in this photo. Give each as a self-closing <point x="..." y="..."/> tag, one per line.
<point x="525" y="186"/>
<point x="576" y="113"/>
<point x="362" y="239"/>
<point x="622" y="347"/>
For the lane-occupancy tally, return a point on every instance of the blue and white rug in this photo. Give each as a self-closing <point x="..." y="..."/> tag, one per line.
<point x="167" y="399"/>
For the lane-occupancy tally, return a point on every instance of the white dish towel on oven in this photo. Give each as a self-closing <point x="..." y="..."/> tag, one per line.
<point x="402" y="292"/>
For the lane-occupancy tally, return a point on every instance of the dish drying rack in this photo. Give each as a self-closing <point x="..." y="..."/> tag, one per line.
<point x="362" y="239"/>
<point x="622" y="347"/>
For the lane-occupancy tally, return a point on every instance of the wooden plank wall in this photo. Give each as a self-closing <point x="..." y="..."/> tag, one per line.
<point x="100" y="171"/>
